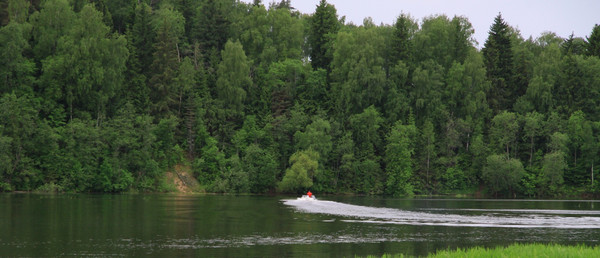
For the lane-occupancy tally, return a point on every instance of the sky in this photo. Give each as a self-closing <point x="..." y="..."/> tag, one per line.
<point x="531" y="17"/>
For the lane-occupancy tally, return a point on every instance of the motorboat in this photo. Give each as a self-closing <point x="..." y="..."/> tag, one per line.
<point x="308" y="198"/>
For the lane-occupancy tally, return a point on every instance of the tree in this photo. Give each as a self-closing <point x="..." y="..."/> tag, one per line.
<point x="168" y="25"/>
<point x="401" y="45"/>
<point x="533" y="125"/>
<point x="299" y="177"/>
<point x="53" y="21"/>
<point x="398" y="156"/>
<point x="261" y="166"/>
<point x="574" y="46"/>
<point x="428" y="150"/>
<point x="553" y="168"/>
<point x="233" y="77"/>
<point x="317" y="137"/>
<point x="504" y="130"/>
<point x="285" y="36"/>
<point x="443" y="40"/>
<point x="365" y="130"/>
<point x="233" y="178"/>
<point x="498" y="59"/>
<point x="357" y="70"/>
<point x="211" y="27"/>
<point x="368" y="147"/>
<point x="323" y="27"/>
<point x="18" y="10"/>
<point x="426" y="94"/>
<point x="16" y="70"/>
<point x="142" y="37"/>
<point x="593" y="42"/>
<point x="18" y="125"/>
<point x="87" y="71"/>
<point x="502" y="174"/>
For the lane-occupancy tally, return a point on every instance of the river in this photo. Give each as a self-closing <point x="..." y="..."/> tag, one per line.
<point x="165" y="225"/>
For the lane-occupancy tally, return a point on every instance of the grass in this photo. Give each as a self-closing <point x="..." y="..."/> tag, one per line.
<point x="516" y="250"/>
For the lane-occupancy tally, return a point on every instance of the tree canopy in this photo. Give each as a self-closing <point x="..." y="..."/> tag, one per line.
<point x="107" y="96"/>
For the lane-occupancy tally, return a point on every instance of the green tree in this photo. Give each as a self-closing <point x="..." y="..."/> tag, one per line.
<point x="261" y="166"/>
<point x="142" y="37"/>
<point x="553" y="168"/>
<point x="443" y="40"/>
<point x="401" y="45"/>
<point x="427" y="139"/>
<point x="53" y="21"/>
<point x="365" y="130"/>
<point x="16" y="70"/>
<point x="357" y="70"/>
<point x="317" y="137"/>
<point x="18" y="124"/>
<point x="368" y="147"/>
<point x="504" y="131"/>
<point x="593" y="42"/>
<point x="502" y="174"/>
<point x="299" y="177"/>
<point x="211" y="27"/>
<point x="426" y="95"/>
<point x="398" y="156"/>
<point x="87" y="70"/>
<point x="18" y="10"/>
<point x="532" y="128"/>
<point x="169" y="29"/>
<point x="232" y="178"/>
<point x="233" y="77"/>
<point x="323" y="27"/>
<point x="285" y="36"/>
<point x="466" y="87"/>
<point x="540" y="90"/>
<point x="498" y="59"/>
<point x="396" y="99"/>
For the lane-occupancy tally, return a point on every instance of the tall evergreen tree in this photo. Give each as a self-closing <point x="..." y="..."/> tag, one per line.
<point x="142" y="37"/>
<point x="400" y="43"/>
<point x="498" y="59"/>
<point x="211" y="27"/>
<point x="593" y="42"/>
<point x="169" y="26"/>
<point x="323" y="27"/>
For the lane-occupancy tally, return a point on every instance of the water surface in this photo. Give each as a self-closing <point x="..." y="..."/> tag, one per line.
<point x="279" y="226"/>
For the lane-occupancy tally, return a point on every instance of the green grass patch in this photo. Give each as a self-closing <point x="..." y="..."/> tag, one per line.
<point x="515" y="250"/>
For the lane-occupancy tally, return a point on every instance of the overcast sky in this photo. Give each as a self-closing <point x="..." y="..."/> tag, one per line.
<point x="531" y="17"/>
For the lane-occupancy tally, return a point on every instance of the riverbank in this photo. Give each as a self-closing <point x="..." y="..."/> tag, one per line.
<point x="515" y="250"/>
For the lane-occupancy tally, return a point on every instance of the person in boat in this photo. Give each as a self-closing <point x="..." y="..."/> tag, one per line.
<point x="309" y="194"/>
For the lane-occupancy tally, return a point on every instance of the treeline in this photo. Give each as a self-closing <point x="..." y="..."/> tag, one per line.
<point x="107" y="95"/>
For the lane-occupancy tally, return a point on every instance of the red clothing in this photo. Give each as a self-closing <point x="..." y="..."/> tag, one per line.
<point x="309" y="194"/>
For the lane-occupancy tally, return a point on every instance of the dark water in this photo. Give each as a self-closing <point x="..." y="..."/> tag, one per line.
<point x="263" y="226"/>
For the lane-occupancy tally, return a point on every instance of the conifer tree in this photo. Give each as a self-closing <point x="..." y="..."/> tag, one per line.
<point x="323" y="27"/>
<point x="593" y="42"/>
<point x="498" y="59"/>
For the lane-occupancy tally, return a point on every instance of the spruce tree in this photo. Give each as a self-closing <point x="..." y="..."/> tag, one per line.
<point x="400" y="44"/>
<point x="323" y="27"/>
<point x="498" y="59"/>
<point x="593" y="42"/>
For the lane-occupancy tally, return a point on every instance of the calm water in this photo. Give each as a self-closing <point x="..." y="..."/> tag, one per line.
<point x="264" y="226"/>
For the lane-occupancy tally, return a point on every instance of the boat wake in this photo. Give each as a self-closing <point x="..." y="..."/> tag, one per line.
<point x="501" y="218"/>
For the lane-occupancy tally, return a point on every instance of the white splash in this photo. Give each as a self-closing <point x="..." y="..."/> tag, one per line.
<point x="501" y="218"/>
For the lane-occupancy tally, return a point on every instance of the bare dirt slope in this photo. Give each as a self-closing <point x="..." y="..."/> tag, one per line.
<point x="183" y="180"/>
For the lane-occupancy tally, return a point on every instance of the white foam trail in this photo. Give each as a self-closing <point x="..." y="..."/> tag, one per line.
<point x="495" y="218"/>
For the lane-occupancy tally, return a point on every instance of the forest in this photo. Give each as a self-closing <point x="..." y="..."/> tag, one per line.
<point x="109" y="95"/>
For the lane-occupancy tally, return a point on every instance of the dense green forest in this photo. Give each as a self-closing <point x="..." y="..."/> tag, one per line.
<point x="108" y="95"/>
